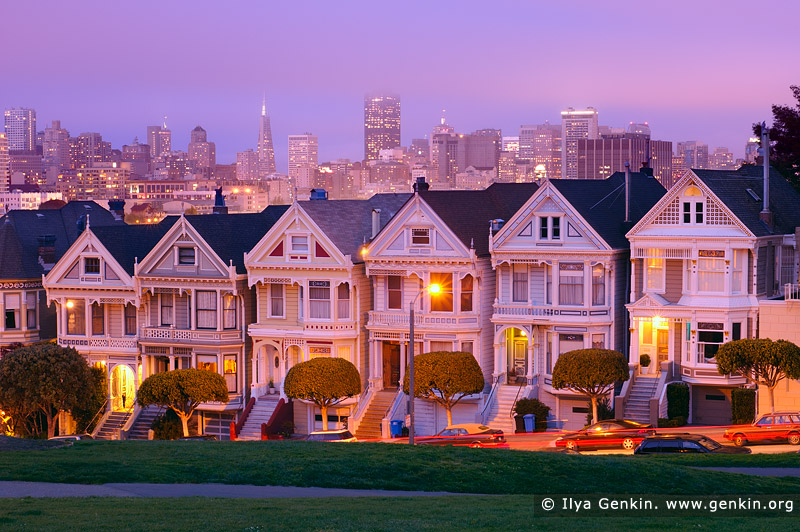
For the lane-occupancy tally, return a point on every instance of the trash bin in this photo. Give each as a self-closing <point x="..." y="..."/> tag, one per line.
<point x="396" y="428"/>
<point x="530" y="421"/>
<point x="519" y="424"/>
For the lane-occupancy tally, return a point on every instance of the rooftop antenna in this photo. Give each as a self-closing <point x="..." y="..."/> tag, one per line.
<point x="264" y="105"/>
<point x="165" y="121"/>
<point x="443" y="113"/>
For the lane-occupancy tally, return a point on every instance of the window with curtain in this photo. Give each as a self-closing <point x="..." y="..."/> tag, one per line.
<point x="441" y="346"/>
<point x="443" y="301"/>
<point x="98" y="319"/>
<point x="570" y="284"/>
<point x="519" y="283"/>
<point x="343" y="301"/>
<point x="228" y="311"/>
<point x="31" y="299"/>
<point x="130" y="320"/>
<point x="229" y="370"/>
<point x="710" y="275"/>
<point x="737" y="274"/>
<point x="299" y="244"/>
<point x="319" y="300"/>
<point x="655" y="274"/>
<point x="276" y="300"/>
<point x="598" y="285"/>
<point x="548" y="281"/>
<point x="76" y="317"/>
<point x="167" y="316"/>
<point x="787" y="265"/>
<point x="12" y="309"/>
<point x="466" y="293"/>
<point x="206" y="309"/>
<point x="394" y="292"/>
<point x="186" y="256"/>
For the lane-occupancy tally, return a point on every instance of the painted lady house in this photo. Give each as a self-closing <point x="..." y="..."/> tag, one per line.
<point x="702" y="259"/>
<point x="438" y="237"/>
<point x="561" y="265"/>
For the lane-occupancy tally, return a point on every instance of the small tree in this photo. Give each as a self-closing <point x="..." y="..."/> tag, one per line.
<point x="85" y="413"/>
<point x="182" y="390"/>
<point x="760" y="361"/>
<point x="326" y="382"/>
<point x="445" y="377"/>
<point x="591" y="372"/>
<point x="43" y="377"/>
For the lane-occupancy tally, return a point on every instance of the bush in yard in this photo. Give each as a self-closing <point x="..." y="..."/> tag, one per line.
<point x="743" y="406"/>
<point x="446" y="377"/>
<point x="182" y="390"/>
<point x="324" y="381"/>
<point x="167" y="426"/>
<point x="591" y="372"/>
<point x="534" y="406"/>
<point x="677" y="400"/>
<point x="86" y="414"/>
<point x="678" y="421"/>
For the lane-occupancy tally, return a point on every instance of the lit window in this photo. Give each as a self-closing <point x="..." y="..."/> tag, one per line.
<point x="655" y="274"/>
<point x="443" y="301"/>
<point x="228" y="311"/>
<point x="598" y="285"/>
<point x="207" y="362"/>
<point x="229" y="369"/>
<point x="76" y="317"/>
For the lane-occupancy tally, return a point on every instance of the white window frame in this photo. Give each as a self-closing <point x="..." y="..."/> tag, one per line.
<point x="424" y="231"/>
<point x="738" y="269"/>
<point x="718" y="271"/>
<point x="99" y="265"/>
<point x="178" y="250"/>
<point x="388" y="290"/>
<point x="520" y="277"/>
<point x="653" y="283"/>
<point x="547" y="225"/>
<point x="313" y="310"/>
<point x="271" y="298"/>
<point x="694" y="202"/>
<point x="8" y="307"/>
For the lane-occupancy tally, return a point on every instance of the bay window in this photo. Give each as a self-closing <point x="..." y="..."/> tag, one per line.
<point x="98" y="319"/>
<point x="167" y="316"/>
<point x="443" y="301"/>
<point x="276" y="300"/>
<point x="394" y="292"/>
<point x="31" y="299"/>
<point x="570" y="284"/>
<point x="519" y="284"/>
<point x="76" y="317"/>
<point x="598" y="285"/>
<point x="466" y="293"/>
<point x="228" y="311"/>
<point x="206" y="309"/>
<point x="319" y="300"/>
<point x="229" y="369"/>
<point x="655" y="275"/>
<point x="343" y="301"/>
<point x="711" y="271"/>
<point x="207" y="362"/>
<point x="738" y="283"/>
<point x="130" y="320"/>
<point x="709" y="337"/>
<point x="12" y="319"/>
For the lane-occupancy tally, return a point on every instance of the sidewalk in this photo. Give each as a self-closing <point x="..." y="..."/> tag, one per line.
<point x="12" y="489"/>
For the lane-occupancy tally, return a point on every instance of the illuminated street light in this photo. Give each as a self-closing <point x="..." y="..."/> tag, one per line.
<point x="433" y="289"/>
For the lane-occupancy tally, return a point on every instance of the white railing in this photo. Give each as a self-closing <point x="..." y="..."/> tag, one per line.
<point x="548" y="310"/>
<point x="330" y="326"/>
<point x="187" y="335"/>
<point x="398" y="406"/>
<point x="98" y="342"/>
<point x="791" y="292"/>
<point x="358" y="414"/>
<point x="400" y="319"/>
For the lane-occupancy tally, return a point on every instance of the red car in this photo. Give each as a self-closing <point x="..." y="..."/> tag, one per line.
<point x="607" y="433"/>
<point x="777" y="427"/>
<point x="470" y="434"/>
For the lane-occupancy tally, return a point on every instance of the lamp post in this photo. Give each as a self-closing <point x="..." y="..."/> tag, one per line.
<point x="433" y="289"/>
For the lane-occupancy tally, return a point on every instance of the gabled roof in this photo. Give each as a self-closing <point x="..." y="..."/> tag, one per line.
<point x="601" y="202"/>
<point x="28" y="226"/>
<point x="730" y="186"/>
<point x="468" y="213"/>
<point x="131" y="242"/>
<point x="348" y="223"/>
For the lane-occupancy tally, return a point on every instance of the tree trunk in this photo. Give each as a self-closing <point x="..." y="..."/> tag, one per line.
<point x="324" y="410"/>
<point x="449" y="416"/>
<point x="51" y="426"/>
<point x="771" y="390"/>
<point x="185" y="423"/>
<point x="594" y="409"/>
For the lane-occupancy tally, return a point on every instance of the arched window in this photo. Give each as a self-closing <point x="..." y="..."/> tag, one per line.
<point x="467" y="284"/>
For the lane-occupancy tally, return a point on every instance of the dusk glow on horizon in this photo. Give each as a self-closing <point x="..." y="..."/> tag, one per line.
<point x="693" y="70"/>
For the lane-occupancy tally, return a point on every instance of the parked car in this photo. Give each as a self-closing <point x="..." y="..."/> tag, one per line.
<point x="73" y="437"/>
<point x="607" y="433"/>
<point x="205" y="437"/>
<point x="342" y="435"/>
<point x="780" y="426"/>
<point x="685" y="443"/>
<point x="470" y="434"/>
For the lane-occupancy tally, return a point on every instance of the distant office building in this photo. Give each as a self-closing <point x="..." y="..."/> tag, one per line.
<point x="266" y="150"/>
<point x="139" y="157"/>
<point x="639" y="129"/>
<point x="475" y="178"/>
<point x="87" y="150"/>
<point x="722" y="159"/>
<point x="660" y="152"/>
<point x="600" y="158"/>
<point x="159" y="138"/>
<point x="678" y="169"/>
<point x="381" y="124"/>
<point x="540" y="145"/>
<point x="511" y="144"/>
<point x="694" y="153"/>
<point x="575" y="125"/>
<point x="303" y="160"/>
<point x="442" y="128"/>
<point x="751" y="150"/>
<point x="480" y="149"/>
<point x="5" y="163"/>
<point x="202" y="153"/>
<point x="17" y="200"/>
<point x="444" y="160"/>
<point x="389" y="176"/>
<point x="507" y="167"/>
<point x="103" y="181"/>
<point x="419" y="150"/>
<point x="20" y="128"/>
<point x="55" y="146"/>
<point x="26" y="168"/>
<point x="248" y="165"/>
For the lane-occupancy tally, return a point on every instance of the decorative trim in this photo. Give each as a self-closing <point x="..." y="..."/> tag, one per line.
<point x="20" y="285"/>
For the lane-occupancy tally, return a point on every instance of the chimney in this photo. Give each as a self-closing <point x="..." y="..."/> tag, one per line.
<point x="497" y="224"/>
<point x="420" y="185"/>
<point x="765" y="215"/>
<point x="219" y="202"/>
<point x="47" y="249"/>
<point x="376" y="222"/>
<point x="627" y="192"/>
<point x="318" y="194"/>
<point x="117" y="208"/>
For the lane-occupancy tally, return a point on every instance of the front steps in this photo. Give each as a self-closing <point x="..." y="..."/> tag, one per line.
<point x="140" y="428"/>
<point x="260" y="413"/>
<point x="370" y="426"/>
<point x="109" y="430"/>
<point x="637" y="406"/>
<point x="499" y="416"/>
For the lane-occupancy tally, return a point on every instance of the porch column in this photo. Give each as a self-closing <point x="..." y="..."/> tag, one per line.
<point x="193" y="310"/>
<point x="498" y="362"/>
<point x="634" y="341"/>
<point x="219" y="310"/>
<point x="23" y="311"/>
<point x="531" y="365"/>
<point x="171" y="362"/>
<point x="403" y="361"/>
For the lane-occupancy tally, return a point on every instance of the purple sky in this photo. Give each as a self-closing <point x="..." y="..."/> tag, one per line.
<point x="701" y="70"/>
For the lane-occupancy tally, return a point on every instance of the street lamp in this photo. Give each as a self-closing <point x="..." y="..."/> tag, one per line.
<point x="433" y="289"/>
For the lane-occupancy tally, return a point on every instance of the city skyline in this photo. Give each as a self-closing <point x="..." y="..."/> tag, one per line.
<point x="320" y="86"/>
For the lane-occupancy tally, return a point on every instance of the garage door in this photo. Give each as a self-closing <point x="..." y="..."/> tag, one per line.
<point x="711" y="406"/>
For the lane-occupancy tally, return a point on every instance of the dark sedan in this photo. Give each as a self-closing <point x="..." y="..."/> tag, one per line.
<point x="469" y="434"/>
<point x="607" y="433"/>
<point x="685" y="443"/>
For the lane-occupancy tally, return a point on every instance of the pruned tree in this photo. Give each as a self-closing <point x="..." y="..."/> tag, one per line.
<point x="760" y="361"/>
<point x="182" y="391"/>
<point x="445" y="377"/>
<point x="43" y="377"/>
<point x="591" y="372"/>
<point x="326" y="382"/>
<point x="784" y="138"/>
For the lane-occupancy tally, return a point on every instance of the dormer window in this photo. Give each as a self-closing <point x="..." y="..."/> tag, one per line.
<point x="549" y="228"/>
<point x="420" y="236"/>
<point x="299" y="244"/>
<point x="186" y="256"/>
<point x="693" y="208"/>
<point x="91" y="266"/>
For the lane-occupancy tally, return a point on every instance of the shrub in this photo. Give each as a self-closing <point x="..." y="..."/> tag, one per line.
<point x="604" y="410"/>
<point x="167" y="426"/>
<point x="644" y="360"/>
<point x="535" y="407"/>
<point x="743" y="406"/>
<point x="674" y="422"/>
<point x="591" y="372"/>
<point x="326" y="382"/>
<point x="677" y="400"/>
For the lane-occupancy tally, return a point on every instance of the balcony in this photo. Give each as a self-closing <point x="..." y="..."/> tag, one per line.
<point x="549" y="312"/>
<point x="99" y="344"/>
<point x="187" y="336"/>
<point x="400" y="320"/>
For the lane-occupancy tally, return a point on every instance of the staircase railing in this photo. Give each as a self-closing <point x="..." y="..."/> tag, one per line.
<point x="514" y="404"/>
<point x="99" y="412"/>
<point x="126" y="428"/>
<point x="361" y="408"/>
<point x="236" y="428"/>
<point x="655" y="399"/>
<point x="490" y="397"/>
<point x="282" y="414"/>
<point x="398" y="403"/>
<point x="621" y="399"/>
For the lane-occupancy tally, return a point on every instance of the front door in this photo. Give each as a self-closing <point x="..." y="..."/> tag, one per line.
<point x="123" y="389"/>
<point x="662" y="348"/>
<point x="391" y="364"/>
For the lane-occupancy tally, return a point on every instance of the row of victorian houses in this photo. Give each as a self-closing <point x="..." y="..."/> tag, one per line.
<point x="527" y="272"/>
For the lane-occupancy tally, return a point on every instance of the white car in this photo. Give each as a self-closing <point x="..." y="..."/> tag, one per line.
<point x="72" y="437"/>
<point x="342" y="435"/>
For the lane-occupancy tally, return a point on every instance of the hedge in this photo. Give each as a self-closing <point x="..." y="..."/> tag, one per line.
<point x="677" y="400"/>
<point x="535" y="407"/>
<point x="743" y="406"/>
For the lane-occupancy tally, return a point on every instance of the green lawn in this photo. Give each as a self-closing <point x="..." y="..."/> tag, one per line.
<point x="388" y="466"/>
<point x="492" y="513"/>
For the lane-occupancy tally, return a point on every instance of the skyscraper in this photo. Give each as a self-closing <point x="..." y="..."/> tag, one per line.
<point x="202" y="153"/>
<point x="599" y="158"/>
<point x="159" y="138"/>
<point x="266" y="151"/>
<point x="20" y="127"/>
<point x="55" y="146"/>
<point x="540" y="145"/>
<point x="575" y="125"/>
<point x="5" y="166"/>
<point x="303" y="159"/>
<point x="248" y="165"/>
<point x="694" y="153"/>
<point x="381" y="124"/>
<point x="88" y="149"/>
